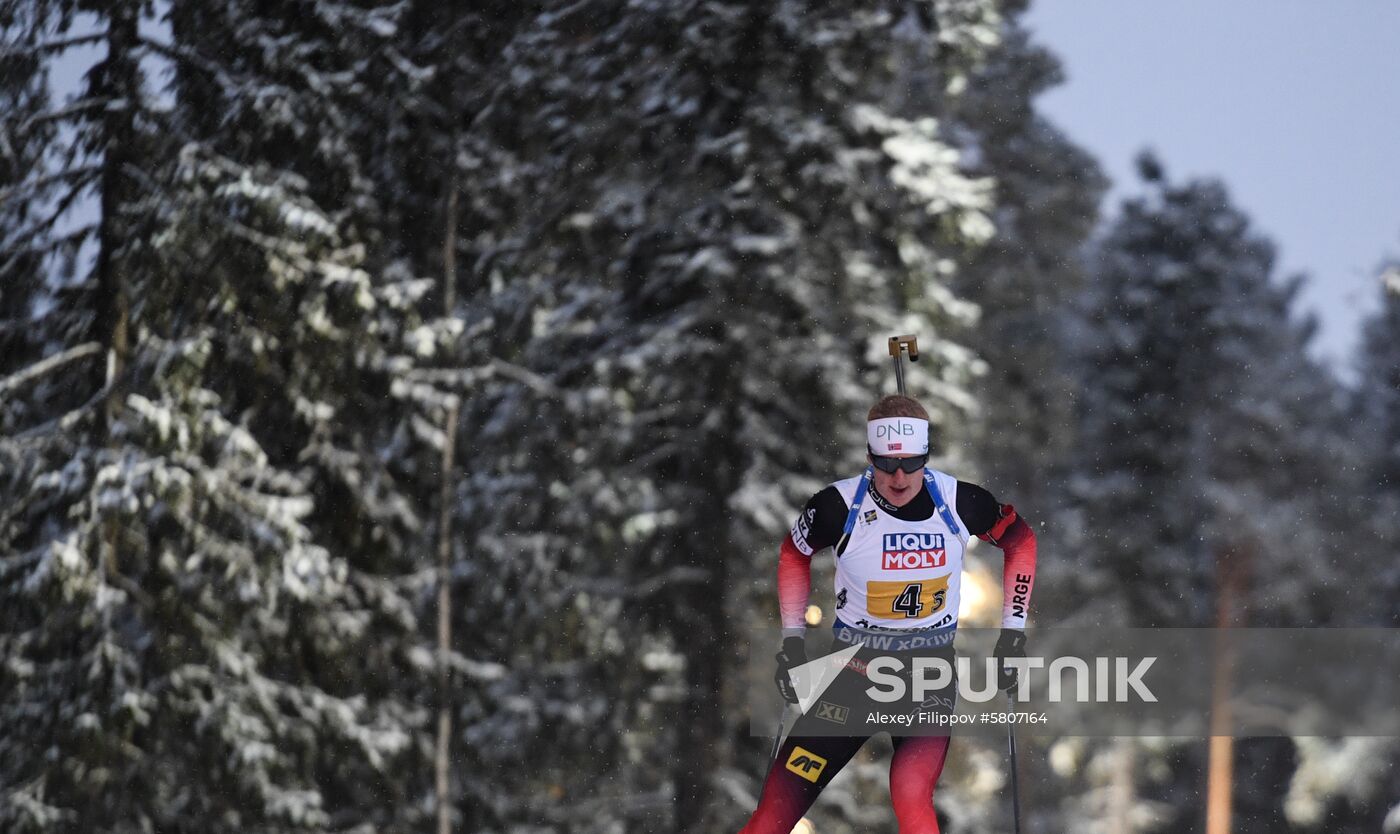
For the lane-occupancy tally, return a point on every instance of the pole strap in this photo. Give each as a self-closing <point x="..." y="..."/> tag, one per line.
<point x="856" y="501"/>
<point x="940" y="505"/>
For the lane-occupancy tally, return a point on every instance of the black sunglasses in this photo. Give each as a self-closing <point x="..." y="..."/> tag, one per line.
<point x="910" y="465"/>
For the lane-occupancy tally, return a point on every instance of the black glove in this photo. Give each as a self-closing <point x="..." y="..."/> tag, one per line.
<point x="1011" y="643"/>
<point x="794" y="654"/>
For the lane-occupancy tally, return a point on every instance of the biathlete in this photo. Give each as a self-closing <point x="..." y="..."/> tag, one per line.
<point x="899" y="559"/>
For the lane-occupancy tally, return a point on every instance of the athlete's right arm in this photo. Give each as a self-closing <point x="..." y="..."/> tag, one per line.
<point x="794" y="586"/>
<point x="817" y="526"/>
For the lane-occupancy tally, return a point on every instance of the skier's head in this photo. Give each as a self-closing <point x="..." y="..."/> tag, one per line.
<point x="896" y="439"/>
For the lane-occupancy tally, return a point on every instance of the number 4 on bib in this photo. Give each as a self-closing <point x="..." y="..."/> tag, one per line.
<point x="907" y="603"/>
<point x="906" y="600"/>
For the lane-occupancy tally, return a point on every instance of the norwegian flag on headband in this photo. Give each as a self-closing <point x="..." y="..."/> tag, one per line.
<point x="897" y="436"/>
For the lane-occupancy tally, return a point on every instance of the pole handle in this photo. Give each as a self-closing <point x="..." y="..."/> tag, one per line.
<point x="899" y="346"/>
<point x="906" y="344"/>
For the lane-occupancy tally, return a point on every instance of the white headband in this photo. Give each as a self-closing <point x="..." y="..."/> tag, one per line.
<point x="897" y="436"/>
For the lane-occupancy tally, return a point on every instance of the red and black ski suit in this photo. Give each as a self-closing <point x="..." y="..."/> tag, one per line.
<point x="918" y="760"/>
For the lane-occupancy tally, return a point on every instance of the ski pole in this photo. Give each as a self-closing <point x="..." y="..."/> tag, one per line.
<point x="778" y="733"/>
<point x="1015" y="786"/>
<point x="900" y="345"/>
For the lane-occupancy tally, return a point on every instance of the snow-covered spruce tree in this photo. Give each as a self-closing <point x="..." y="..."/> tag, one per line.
<point x="689" y="228"/>
<point x="1378" y="408"/>
<point x="1025" y="282"/>
<point x="437" y="192"/>
<point x="203" y="616"/>
<point x="34" y="394"/>
<point x="69" y="713"/>
<point x="1025" y="279"/>
<point x="1350" y="784"/>
<point x="419" y="75"/>
<point x="1213" y="469"/>
<point x="296" y="92"/>
<point x="1205" y="422"/>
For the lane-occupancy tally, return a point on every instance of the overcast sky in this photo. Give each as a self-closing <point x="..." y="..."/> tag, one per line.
<point x="1295" y="104"/>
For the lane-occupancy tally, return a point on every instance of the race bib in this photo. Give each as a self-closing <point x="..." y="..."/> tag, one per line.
<point x="906" y="600"/>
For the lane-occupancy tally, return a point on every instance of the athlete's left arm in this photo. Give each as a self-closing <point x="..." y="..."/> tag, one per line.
<point x="1000" y="524"/>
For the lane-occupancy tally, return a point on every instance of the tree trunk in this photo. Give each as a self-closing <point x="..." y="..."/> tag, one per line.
<point x="702" y="617"/>
<point x="1220" y="779"/>
<point x="442" y="765"/>
<point x="1122" y="793"/>
<point x="120" y="85"/>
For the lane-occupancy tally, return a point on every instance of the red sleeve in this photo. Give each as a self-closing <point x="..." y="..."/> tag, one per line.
<point x="794" y="584"/>
<point x="1017" y="541"/>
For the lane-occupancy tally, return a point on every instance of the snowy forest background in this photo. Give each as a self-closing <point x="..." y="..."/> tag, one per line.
<point x="406" y="401"/>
